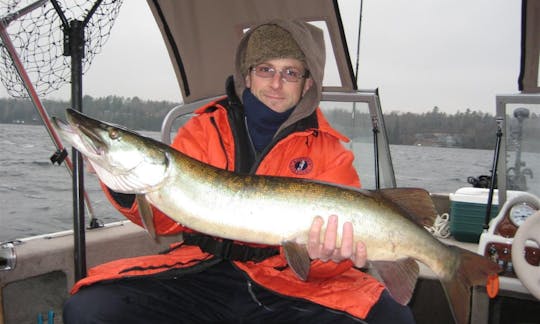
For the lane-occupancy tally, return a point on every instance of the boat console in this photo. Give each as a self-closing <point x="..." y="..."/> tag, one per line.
<point x="512" y="241"/>
<point x="512" y="237"/>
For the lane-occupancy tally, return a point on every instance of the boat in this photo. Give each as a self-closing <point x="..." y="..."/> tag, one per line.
<point x="36" y="273"/>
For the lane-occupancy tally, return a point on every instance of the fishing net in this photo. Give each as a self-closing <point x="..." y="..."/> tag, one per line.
<point x="39" y="40"/>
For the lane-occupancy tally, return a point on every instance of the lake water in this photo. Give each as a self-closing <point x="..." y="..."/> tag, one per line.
<point x="36" y="197"/>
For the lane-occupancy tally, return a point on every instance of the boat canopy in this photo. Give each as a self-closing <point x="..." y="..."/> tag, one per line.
<point x="201" y="38"/>
<point x="529" y="81"/>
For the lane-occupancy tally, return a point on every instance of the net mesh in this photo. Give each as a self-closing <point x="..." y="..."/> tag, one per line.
<point x="38" y="38"/>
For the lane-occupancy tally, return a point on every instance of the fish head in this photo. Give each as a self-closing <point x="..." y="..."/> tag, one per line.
<point x="124" y="160"/>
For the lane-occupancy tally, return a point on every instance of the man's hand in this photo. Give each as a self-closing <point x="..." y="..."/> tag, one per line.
<point x="327" y="250"/>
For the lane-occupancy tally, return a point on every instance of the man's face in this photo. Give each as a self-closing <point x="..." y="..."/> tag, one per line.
<point x="276" y="93"/>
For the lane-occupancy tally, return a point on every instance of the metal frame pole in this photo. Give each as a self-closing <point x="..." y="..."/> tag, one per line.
<point x="74" y="47"/>
<point x="76" y="32"/>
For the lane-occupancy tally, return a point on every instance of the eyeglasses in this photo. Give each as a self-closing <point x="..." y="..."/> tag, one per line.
<point x="288" y="74"/>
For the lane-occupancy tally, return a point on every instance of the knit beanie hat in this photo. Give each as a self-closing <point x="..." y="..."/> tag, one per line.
<point x="270" y="42"/>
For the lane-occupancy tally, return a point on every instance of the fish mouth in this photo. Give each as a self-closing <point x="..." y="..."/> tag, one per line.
<point x="62" y="125"/>
<point x="81" y="134"/>
<point x="92" y="140"/>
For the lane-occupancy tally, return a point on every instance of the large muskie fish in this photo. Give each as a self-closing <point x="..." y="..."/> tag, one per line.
<point x="278" y="211"/>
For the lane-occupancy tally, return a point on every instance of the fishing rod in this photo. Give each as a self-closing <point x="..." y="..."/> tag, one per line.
<point x="493" y="181"/>
<point x="358" y="43"/>
<point x="375" y="130"/>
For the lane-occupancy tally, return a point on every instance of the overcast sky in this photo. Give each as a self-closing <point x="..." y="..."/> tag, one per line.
<point x="454" y="54"/>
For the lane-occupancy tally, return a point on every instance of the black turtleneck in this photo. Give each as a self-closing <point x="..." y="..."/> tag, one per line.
<point x="262" y="122"/>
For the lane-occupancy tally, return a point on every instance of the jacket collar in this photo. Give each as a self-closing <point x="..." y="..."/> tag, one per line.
<point x="314" y="121"/>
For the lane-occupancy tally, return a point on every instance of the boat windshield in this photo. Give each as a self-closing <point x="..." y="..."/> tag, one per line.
<point x="519" y="162"/>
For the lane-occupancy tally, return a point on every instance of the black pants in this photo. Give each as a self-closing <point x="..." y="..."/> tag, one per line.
<point x="219" y="294"/>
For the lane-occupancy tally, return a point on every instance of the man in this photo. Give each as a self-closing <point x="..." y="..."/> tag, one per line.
<point x="269" y="124"/>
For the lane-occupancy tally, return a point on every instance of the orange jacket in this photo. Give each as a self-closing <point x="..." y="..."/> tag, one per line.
<point x="312" y="150"/>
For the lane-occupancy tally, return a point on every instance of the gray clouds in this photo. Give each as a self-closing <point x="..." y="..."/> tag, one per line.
<point x="420" y="54"/>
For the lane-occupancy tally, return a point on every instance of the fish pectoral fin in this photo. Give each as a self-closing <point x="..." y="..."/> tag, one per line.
<point x="147" y="216"/>
<point x="399" y="277"/>
<point x="298" y="258"/>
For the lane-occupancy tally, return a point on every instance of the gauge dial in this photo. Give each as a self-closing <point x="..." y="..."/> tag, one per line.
<point x="520" y="212"/>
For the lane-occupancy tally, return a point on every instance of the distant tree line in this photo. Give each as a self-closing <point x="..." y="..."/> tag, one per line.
<point x="132" y="113"/>
<point x="469" y="129"/>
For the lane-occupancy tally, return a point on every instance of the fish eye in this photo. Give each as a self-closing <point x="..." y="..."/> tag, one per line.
<point x="114" y="133"/>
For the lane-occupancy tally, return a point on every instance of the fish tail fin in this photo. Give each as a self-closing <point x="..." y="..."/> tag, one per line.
<point x="473" y="270"/>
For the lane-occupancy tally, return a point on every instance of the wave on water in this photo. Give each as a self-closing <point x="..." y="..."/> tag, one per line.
<point x="7" y="142"/>
<point x="12" y="162"/>
<point x="42" y="163"/>
<point x="7" y="188"/>
<point x="30" y="196"/>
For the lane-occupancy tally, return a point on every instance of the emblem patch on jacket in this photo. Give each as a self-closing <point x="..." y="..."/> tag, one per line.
<point x="301" y="165"/>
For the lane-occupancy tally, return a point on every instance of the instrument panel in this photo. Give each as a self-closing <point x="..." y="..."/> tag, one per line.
<point x="514" y="217"/>
<point x="502" y="254"/>
<point x="497" y="242"/>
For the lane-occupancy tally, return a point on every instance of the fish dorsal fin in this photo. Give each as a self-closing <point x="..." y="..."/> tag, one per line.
<point x="399" y="277"/>
<point x="298" y="258"/>
<point x="147" y="216"/>
<point x="416" y="203"/>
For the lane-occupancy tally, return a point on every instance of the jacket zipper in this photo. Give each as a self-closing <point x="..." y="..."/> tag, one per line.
<point x="213" y="121"/>
<point x="250" y="283"/>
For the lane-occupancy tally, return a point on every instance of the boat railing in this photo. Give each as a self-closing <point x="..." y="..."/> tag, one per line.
<point x="362" y="104"/>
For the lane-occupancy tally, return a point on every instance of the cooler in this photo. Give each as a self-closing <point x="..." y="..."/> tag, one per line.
<point x="468" y="212"/>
